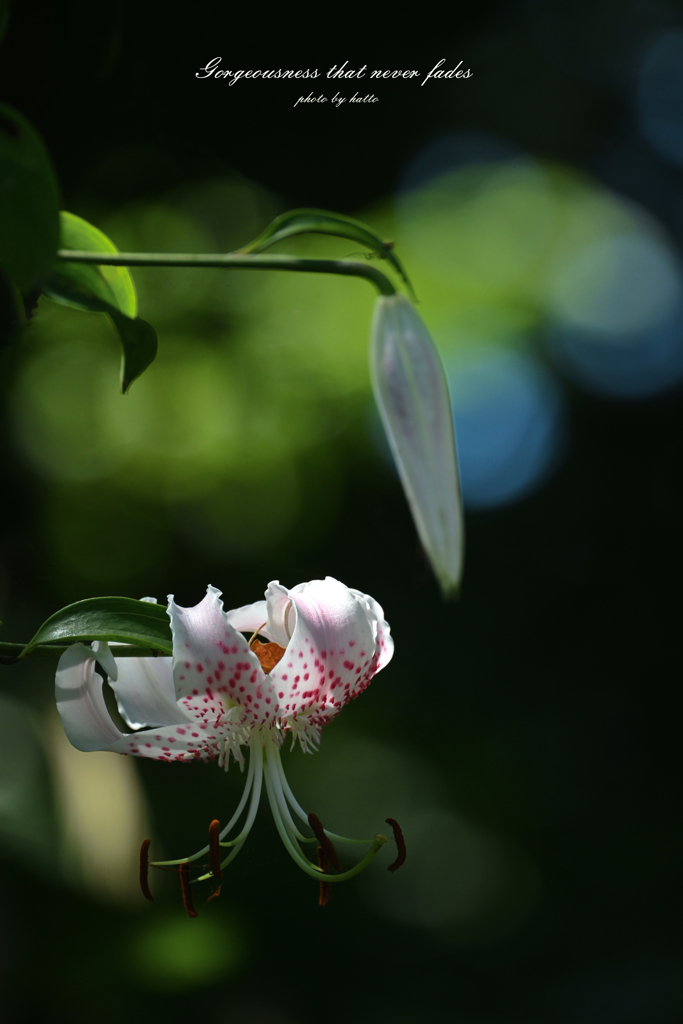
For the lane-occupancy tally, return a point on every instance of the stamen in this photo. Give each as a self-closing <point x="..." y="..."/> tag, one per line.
<point x="186" y="889"/>
<point x="325" y="842"/>
<point x="214" y="849"/>
<point x="400" y="845"/>
<point x="256" y="633"/>
<point x="144" y="869"/>
<point x="325" y="889"/>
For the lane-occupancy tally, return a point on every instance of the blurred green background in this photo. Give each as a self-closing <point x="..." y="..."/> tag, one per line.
<point x="525" y="736"/>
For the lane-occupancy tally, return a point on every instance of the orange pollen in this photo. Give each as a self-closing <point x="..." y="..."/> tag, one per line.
<point x="267" y="654"/>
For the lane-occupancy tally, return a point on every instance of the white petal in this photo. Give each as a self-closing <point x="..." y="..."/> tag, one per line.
<point x="88" y="725"/>
<point x="412" y="396"/>
<point x="105" y="658"/>
<point x="334" y="651"/>
<point x="145" y="693"/>
<point x="211" y="658"/>
<point x="78" y="689"/>
<point x="249" y="618"/>
<point x="281" y="613"/>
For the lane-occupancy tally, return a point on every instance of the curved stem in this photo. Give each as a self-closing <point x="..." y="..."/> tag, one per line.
<point x="229" y="261"/>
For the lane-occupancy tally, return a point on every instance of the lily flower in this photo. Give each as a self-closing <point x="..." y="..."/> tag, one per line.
<point x="221" y="693"/>
<point x="412" y="396"/>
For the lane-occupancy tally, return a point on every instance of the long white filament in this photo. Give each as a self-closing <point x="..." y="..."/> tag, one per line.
<point x="257" y="757"/>
<point x="240" y="807"/>
<point x="298" y="810"/>
<point x="265" y="765"/>
<point x="274" y="769"/>
<point x="273" y="788"/>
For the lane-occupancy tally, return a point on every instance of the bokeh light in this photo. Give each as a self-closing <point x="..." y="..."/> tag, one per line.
<point x="173" y="954"/>
<point x="510" y="423"/>
<point x="660" y="96"/>
<point x="100" y="838"/>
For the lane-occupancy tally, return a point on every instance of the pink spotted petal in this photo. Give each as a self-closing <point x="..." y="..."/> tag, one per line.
<point x="211" y="659"/>
<point x="193" y="741"/>
<point x="145" y="693"/>
<point x="383" y="638"/>
<point x="78" y="689"/>
<point x="332" y="655"/>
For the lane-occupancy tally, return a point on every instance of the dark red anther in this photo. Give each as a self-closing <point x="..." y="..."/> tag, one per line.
<point x="400" y="844"/>
<point x="214" y="849"/>
<point x="186" y="889"/>
<point x="325" y="890"/>
<point x="325" y="842"/>
<point x="144" y="869"/>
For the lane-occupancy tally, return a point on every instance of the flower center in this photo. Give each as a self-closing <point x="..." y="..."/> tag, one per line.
<point x="268" y="654"/>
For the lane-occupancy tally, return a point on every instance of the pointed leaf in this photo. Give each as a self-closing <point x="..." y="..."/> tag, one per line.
<point x="102" y="289"/>
<point x="120" y="619"/>
<point x="139" y="342"/>
<point x="300" y="222"/>
<point x="29" y="202"/>
<point x="80" y="284"/>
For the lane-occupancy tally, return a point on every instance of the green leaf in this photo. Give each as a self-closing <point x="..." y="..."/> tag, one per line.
<point x="120" y="619"/>
<point x="84" y="282"/>
<point x="139" y="342"/>
<point x="321" y="222"/>
<point x="29" y="202"/>
<point x="102" y="289"/>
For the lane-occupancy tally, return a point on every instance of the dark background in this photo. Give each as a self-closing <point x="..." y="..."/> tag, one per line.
<point x="539" y="708"/>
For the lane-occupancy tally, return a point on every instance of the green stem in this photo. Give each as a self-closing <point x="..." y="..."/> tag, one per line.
<point x="9" y="653"/>
<point x="229" y="261"/>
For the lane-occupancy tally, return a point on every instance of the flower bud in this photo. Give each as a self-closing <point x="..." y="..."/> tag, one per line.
<point x="412" y="395"/>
